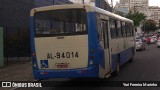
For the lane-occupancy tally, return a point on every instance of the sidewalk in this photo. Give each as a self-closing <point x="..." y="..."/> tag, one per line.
<point x="21" y="71"/>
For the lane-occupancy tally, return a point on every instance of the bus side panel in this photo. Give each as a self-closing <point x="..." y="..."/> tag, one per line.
<point x="128" y="53"/>
<point x="114" y="58"/>
<point x="34" y="59"/>
<point x="93" y="40"/>
<point x="124" y="57"/>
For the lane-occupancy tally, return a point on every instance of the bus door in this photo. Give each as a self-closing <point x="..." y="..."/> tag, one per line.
<point x="105" y="45"/>
<point x="104" y="41"/>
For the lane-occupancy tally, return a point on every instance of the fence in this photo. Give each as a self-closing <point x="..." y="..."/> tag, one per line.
<point x="1" y="48"/>
<point x="16" y="45"/>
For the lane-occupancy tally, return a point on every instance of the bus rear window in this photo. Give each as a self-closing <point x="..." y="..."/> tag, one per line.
<point x="58" y="22"/>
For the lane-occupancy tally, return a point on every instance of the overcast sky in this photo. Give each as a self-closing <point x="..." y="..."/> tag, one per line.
<point x="151" y="2"/>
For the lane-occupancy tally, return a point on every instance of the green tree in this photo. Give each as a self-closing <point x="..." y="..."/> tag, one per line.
<point x="150" y="25"/>
<point x="137" y="17"/>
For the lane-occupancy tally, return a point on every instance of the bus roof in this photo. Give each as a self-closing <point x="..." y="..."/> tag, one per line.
<point x="89" y="8"/>
<point x="112" y="15"/>
<point x="58" y="7"/>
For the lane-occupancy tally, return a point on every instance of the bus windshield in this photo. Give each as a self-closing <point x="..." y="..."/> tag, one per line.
<point x="58" y="22"/>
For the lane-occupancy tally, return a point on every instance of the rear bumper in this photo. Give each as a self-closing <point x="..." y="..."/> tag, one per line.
<point x="85" y="72"/>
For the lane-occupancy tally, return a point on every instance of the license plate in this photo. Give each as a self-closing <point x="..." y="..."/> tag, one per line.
<point x="62" y="65"/>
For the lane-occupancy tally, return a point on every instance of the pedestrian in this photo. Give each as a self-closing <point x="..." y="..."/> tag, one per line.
<point x="148" y="40"/>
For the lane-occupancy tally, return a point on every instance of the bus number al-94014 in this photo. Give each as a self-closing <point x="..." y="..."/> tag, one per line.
<point x="59" y="55"/>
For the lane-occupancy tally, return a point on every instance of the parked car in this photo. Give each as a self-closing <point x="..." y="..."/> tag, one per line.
<point x="144" y="38"/>
<point x="152" y="40"/>
<point x="140" y="45"/>
<point x="155" y="38"/>
<point x="158" y="42"/>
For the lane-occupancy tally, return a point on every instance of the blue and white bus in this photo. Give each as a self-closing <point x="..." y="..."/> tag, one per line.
<point x="77" y="40"/>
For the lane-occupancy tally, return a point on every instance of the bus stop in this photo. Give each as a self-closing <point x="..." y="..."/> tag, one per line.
<point x="1" y="48"/>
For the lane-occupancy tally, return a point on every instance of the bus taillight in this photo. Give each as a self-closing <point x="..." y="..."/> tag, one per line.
<point x="91" y="57"/>
<point x="91" y="51"/>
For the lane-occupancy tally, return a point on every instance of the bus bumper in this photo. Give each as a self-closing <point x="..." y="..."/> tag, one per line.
<point x="91" y="72"/>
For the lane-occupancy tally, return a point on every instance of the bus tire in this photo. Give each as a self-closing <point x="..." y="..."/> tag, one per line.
<point x="132" y="58"/>
<point x="116" y="72"/>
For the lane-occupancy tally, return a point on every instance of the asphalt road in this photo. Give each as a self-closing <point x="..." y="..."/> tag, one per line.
<point x="145" y="67"/>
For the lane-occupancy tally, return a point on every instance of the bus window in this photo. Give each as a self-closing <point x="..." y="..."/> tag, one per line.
<point x="116" y="27"/>
<point x="105" y="33"/>
<point x="129" y="29"/>
<point x="119" y="29"/>
<point x="123" y="29"/>
<point x="132" y="31"/>
<point x="99" y="26"/>
<point x="113" y="28"/>
<point x="58" y="22"/>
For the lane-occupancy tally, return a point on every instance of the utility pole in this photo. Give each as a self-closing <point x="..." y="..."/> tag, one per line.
<point x="112" y="3"/>
<point x="129" y="2"/>
<point x="83" y="1"/>
<point x="112" y="6"/>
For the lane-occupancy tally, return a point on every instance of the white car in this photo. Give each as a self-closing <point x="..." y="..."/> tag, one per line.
<point x="155" y="38"/>
<point x="152" y="40"/>
<point x="158" y="42"/>
<point x="140" y="45"/>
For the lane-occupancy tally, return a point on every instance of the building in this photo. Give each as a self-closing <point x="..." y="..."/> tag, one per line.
<point x="15" y="13"/>
<point x="122" y="6"/>
<point x="133" y="5"/>
<point x="139" y="5"/>
<point x="154" y="14"/>
<point x="99" y="3"/>
<point x="14" y="18"/>
<point x="39" y="3"/>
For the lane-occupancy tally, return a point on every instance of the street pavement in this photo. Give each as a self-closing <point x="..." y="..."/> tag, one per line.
<point x="145" y="67"/>
<point x="21" y="71"/>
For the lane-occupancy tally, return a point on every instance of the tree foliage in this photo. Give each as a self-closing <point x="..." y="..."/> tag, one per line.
<point x="137" y="17"/>
<point x="149" y="25"/>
